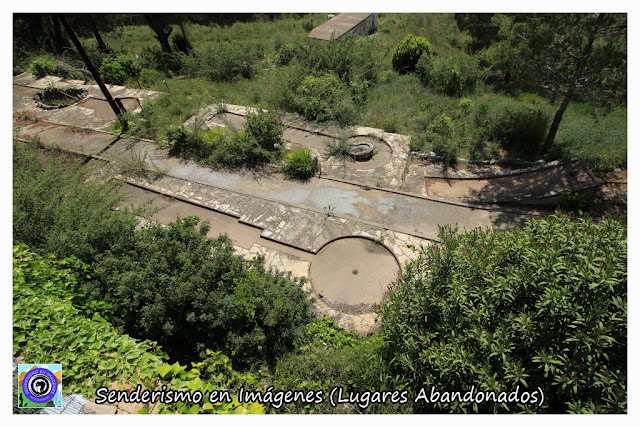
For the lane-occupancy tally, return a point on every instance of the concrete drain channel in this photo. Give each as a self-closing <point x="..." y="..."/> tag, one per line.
<point x="352" y="274"/>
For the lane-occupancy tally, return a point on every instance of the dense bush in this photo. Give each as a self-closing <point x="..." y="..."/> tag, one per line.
<point x="298" y="164"/>
<point x="408" y="52"/>
<point x="524" y="127"/>
<point x="347" y="58"/>
<point x="118" y="69"/>
<point x="225" y="61"/>
<point x="266" y="128"/>
<point x="455" y="75"/>
<point x="46" y="65"/>
<point x="189" y="293"/>
<point x="286" y="53"/>
<point x="324" y="98"/>
<point x="221" y="147"/>
<point x="150" y="77"/>
<point x="542" y="308"/>
<point x="48" y="325"/>
<point x="333" y="357"/>
<point x="57" y="209"/>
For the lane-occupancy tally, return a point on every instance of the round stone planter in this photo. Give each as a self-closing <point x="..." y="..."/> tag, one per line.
<point x="52" y="98"/>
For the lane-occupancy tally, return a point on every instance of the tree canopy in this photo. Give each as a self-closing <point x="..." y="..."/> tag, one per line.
<point x="575" y="54"/>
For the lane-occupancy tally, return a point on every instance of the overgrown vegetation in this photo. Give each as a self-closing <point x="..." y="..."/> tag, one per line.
<point x="375" y="81"/>
<point x="258" y="143"/>
<point x="190" y="293"/>
<point x="298" y="164"/>
<point x="542" y="306"/>
<point x="52" y="322"/>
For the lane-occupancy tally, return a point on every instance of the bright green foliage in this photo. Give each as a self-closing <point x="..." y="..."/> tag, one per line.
<point x="266" y="128"/>
<point x="454" y="75"/>
<point x="255" y="145"/>
<point x="57" y="209"/>
<point x="175" y="286"/>
<point x="298" y="164"/>
<point x="48" y="325"/>
<point x="43" y="66"/>
<point x="286" y="53"/>
<point x="324" y="98"/>
<point x="213" y="374"/>
<point x="408" y="52"/>
<point x="543" y="306"/>
<point x="333" y="357"/>
<point x="118" y="69"/>
<point x="150" y="77"/>
<point x="224" y="61"/>
<point x="349" y="59"/>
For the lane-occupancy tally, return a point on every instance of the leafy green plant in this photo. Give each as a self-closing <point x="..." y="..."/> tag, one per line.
<point x="266" y="128"/>
<point x="285" y="54"/>
<point x="522" y="127"/>
<point x="52" y="321"/>
<point x="42" y="66"/>
<point x="539" y="307"/>
<point x="322" y="98"/>
<point x="340" y="147"/>
<point x="408" y="52"/>
<point x="58" y="209"/>
<point x="298" y="164"/>
<point x="118" y="69"/>
<point x="454" y="75"/>
<point x="175" y="286"/>
<point x="225" y="61"/>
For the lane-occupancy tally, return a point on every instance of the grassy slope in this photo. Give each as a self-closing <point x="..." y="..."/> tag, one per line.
<point x="397" y="104"/>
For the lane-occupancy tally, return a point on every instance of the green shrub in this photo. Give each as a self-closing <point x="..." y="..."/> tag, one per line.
<point x="347" y="58"/>
<point x="542" y="308"/>
<point x="150" y="77"/>
<point x="188" y="144"/>
<point x="455" y="75"/>
<point x="48" y="326"/>
<point x="57" y="209"/>
<point x="266" y="128"/>
<point x="240" y="149"/>
<point x="225" y="61"/>
<point x="44" y="65"/>
<point x="340" y="147"/>
<point x="408" y="52"/>
<point x="318" y="98"/>
<point x="118" y="69"/>
<point x="332" y="358"/>
<point x="286" y="53"/>
<point x="298" y="164"/>
<point x="446" y="147"/>
<point x="189" y="293"/>
<point x="521" y="127"/>
<point x="465" y="105"/>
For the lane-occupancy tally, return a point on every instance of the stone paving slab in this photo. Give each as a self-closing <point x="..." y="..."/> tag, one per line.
<point x="76" y="114"/>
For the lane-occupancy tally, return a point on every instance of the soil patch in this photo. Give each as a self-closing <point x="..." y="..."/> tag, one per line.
<point x="352" y="274"/>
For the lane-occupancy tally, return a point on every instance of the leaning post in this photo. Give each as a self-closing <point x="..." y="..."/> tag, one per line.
<point x="93" y="70"/>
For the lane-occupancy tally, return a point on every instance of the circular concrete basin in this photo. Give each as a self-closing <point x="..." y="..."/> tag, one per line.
<point x="353" y="273"/>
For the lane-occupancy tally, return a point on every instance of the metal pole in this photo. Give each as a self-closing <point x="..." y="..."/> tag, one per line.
<point x="93" y="70"/>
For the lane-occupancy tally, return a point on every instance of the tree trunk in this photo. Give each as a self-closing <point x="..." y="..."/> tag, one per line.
<point x="184" y="36"/>
<point x="557" y="118"/>
<point x="576" y="77"/>
<point x="57" y="34"/>
<point x="162" y="33"/>
<point x="94" y="28"/>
